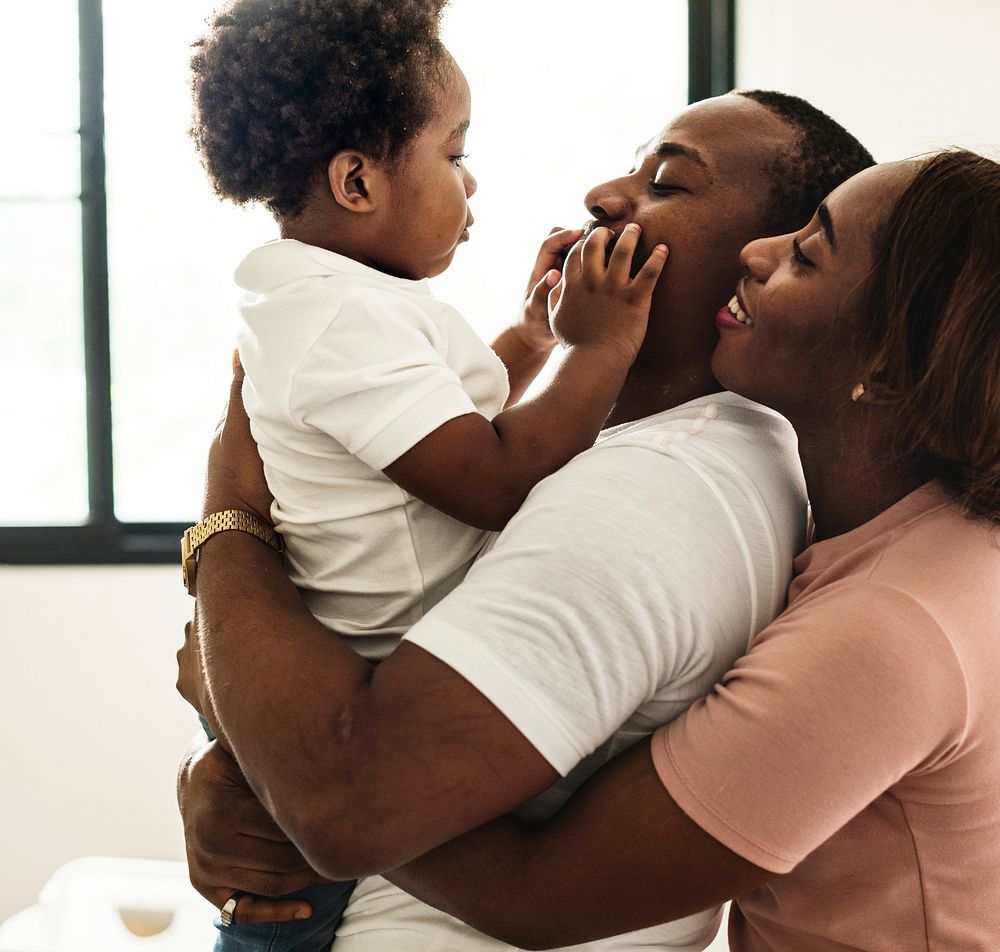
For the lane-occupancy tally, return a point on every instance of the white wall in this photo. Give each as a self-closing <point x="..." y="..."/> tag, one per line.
<point x="91" y="727"/>
<point x="905" y="76"/>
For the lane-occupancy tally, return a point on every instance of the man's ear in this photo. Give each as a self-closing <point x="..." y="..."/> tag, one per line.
<point x="352" y="177"/>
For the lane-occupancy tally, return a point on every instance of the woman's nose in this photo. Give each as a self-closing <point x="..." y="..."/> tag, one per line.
<point x="470" y="184"/>
<point x="759" y="259"/>
<point x="607" y="202"/>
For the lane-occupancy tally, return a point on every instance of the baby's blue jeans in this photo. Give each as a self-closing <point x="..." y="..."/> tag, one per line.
<point x="314" y="934"/>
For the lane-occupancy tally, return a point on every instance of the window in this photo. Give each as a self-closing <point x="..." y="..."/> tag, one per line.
<point x="117" y="304"/>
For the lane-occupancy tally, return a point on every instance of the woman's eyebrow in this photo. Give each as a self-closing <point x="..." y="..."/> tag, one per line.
<point x="827" y="224"/>
<point x="459" y="130"/>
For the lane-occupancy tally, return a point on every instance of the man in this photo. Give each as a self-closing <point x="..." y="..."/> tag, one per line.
<point x="626" y="586"/>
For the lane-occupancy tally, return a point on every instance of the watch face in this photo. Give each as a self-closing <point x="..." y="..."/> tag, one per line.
<point x="188" y="562"/>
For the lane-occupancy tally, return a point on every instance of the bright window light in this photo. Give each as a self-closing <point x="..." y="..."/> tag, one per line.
<point x="563" y="92"/>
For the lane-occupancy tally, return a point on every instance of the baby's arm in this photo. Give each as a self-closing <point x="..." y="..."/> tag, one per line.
<point x="525" y="347"/>
<point x="479" y="471"/>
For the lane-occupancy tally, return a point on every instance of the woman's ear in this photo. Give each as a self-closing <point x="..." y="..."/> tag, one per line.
<point x="352" y="179"/>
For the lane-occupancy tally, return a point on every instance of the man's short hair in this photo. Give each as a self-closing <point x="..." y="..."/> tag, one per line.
<point x="827" y="155"/>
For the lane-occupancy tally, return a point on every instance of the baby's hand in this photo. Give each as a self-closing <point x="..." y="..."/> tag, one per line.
<point x="598" y="301"/>
<point x="534" y="328"/>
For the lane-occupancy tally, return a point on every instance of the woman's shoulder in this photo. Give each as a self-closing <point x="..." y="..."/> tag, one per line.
<point x="928" y="575"/>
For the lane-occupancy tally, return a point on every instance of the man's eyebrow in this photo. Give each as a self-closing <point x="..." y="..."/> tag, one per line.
<point x="668" y="150"/>
<point x="827" y="223"/>
<point x="459" y="130"/>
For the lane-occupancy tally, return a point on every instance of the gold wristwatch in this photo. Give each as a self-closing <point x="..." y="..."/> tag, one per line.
<point x="196" y="536"/>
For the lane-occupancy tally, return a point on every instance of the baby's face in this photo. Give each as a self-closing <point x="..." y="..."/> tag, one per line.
<point x="429" y="213"/>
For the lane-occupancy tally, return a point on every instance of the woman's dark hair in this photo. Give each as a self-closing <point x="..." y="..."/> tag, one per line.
<point x="826" y="154"/>
<point x="934" y="308"/>
<point x="280" y="86"/>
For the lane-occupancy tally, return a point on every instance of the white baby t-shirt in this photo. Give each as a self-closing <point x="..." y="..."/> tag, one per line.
<point x="347" y="368"/>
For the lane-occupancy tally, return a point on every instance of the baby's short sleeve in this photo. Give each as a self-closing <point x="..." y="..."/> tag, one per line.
<point x="377" y="379"/>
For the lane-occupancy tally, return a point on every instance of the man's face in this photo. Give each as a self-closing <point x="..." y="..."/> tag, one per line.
<point x="701" y="187"/>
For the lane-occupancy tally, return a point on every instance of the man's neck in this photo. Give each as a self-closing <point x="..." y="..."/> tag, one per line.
<point x="647" y="392"/>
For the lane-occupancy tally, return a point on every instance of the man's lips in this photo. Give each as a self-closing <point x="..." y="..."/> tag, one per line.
<point x="592" y="226"/>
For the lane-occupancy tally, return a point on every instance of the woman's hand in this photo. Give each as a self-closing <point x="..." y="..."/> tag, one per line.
<point x="235" y="477"/>
<point x="233" y="845"/>
<point x="599" y="302"/>
<point x="534" y="328"/>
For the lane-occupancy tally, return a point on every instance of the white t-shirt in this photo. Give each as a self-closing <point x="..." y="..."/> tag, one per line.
<point x="347" y="368"/>
<point x="626" y="586"/>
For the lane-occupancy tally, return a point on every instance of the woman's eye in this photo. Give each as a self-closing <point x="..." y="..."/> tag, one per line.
<point x="664" y="188"/>
<point x="458" y="159"/>
<point x="799" y="256"/>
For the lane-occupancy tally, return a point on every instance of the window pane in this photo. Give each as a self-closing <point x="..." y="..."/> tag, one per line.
<point x="42" y="388"/>
<point x="550" y="119"/>
<point x="44" y="479"/>
<point x="562" y="95"/>
<point x="173" y="247"/>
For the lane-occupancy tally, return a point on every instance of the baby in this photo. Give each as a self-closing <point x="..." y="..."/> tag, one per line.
<point x="390" y="433"/>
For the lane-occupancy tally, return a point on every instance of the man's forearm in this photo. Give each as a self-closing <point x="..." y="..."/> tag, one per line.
<point x="264" y="655"/>
<point x="363" y="769"/>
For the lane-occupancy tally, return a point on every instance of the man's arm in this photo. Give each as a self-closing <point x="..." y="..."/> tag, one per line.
<point x="620" y="856"/>
<point x="364" y="768"/>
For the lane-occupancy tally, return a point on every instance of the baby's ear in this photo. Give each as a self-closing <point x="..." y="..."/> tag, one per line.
<point x="351" y="176"/>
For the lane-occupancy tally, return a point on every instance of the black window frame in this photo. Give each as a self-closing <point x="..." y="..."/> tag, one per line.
<point x="104" y="539"/>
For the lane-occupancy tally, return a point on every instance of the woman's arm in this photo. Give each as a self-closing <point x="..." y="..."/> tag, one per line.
<point x="836" y="703"/>
<point x="620" y="856"/>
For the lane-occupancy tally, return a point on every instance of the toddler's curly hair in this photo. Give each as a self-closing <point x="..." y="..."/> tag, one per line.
<point x="280" y="86"/>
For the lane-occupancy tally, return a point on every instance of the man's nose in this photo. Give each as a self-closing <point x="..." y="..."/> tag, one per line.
<point x="607" y="203"/>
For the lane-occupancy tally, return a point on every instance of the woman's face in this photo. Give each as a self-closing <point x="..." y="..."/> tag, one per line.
<point x="789" y="340"/>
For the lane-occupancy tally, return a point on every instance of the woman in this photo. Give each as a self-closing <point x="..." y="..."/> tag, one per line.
<point x="855" y="750"/>
<point x="843" y="780"/>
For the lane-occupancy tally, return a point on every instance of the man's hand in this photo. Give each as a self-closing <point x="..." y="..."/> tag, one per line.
<point x="233" y="845"/>
<point x="191" y="683"/>
<point x="190" y="677"/>
<point x="235" y="478"/>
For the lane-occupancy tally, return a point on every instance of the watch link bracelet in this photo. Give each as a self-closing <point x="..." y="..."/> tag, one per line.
<point x="196" y="536"/>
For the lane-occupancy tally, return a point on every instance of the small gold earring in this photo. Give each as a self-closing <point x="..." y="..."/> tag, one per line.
<point x="858" y="392"/>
